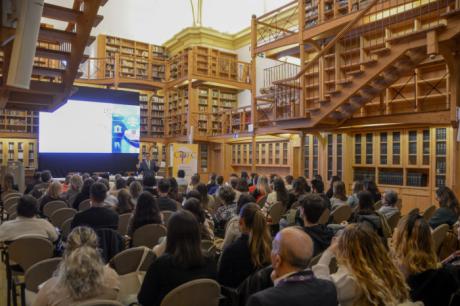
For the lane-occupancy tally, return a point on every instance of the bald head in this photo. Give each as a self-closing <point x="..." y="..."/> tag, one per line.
<point x="294" y="247"/>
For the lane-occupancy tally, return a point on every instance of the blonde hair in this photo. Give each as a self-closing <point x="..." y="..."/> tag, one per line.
<point x="413" y="246"/>
<point x="262" y="183"/>
<point x="361" y="251"/>
<point x="76" y="182"/>
<point x="82" y="270"/>
<point x="259" y="239"/>
<point x="54" y="189"/>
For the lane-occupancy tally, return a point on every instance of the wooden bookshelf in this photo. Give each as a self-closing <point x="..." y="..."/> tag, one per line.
<point x="152" y="108"/>
<point x="15" y="121"/>
<point x="177" y="107"/>
<point x="18" y="149"/>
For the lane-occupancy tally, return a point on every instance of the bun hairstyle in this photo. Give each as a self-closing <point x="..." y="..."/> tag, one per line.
<point x="82" y="271"/>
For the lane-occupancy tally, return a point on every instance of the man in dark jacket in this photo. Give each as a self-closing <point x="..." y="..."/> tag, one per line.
<point x="164" y="201"/>
<point x="294" y="285"/>
<point x="312" y="207"/>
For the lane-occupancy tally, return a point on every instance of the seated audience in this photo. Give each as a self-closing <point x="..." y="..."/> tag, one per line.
<point x="120" y="184"/>
<point x="389" y="204"/>
<point x="262" y="188"/>
<point x="75" y="185"/>
<point x="369" y="185"/>
<point x="414" y="254"/>
<point x="295" y="285"/>
<point x="253" y="180"/>
<point x="84" y="193"/>
<point x="366" y="275"/>
<point x="183" y="260"/>
<point x="289" y="180"/>
<point x="232" y="228"/>
<point x="220" y="183"/>
<point x="212" y="186"/>
<point x="81" y="275"/>
<point x="242" y="186"/>
<point x="65" y="185"/>
<point x="41" y="188"/>
<point x="125" y="203"/>
<point x="8" y="185"/>
<point x="448" y="210"/>
<point x="234" y="184"/>
<point x="339" y="195"/>
<point x="135" y="189"/>
<point x="353" y="199"/>
<point x="228" y="209"/>
<point x="250" y="252"/>
<point x="207" y="201"/>
<point x="110" y="201"/>
<point x="317" y="186"/>
<point x="330" y="191"/>
<point x="300" y="187"/>
<point x="181" y="181"/>
<point x="312" y="207"/>
<point x="279" y="194"/>
<point x="146" y="212"/>
<point x="54" y="193"/>
<point x="36" y="179"/>
<point x="148" y="184"/>
<point x="97" y="216"/>
<point x="163" y="200"/>
<point x="194" y="181"/>
<point x="194" y="206"/>
<point x="27" y="222"/>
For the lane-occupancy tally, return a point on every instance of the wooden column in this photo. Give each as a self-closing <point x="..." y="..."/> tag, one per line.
<point x="253" y="89"/>
<point x="302" y="153"/>
<point x="302" y="57"/>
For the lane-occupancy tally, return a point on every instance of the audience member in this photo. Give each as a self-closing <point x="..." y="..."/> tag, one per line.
<point x="135" y="189"/>
<point x="228" y="210"/>
<point x="81" y="275"/>
<point x="97" y="216"/>
<point x="125" y="204"/>
<point x="339" y="195"/>
<point x="250" y="252"/>
<point x="295" y="285"/>
<point x="448" y="210"/>
<point x="164" y="201"/>
<point x="317" y="186"/>
<point x="262" y="188"/>
<point x="289" y="180"/>
<point x="414" y="254"/>
<point x="119" y="185"/>
<point x="75" y="185"/>
<point x="330" y="191"/>
<point x="8" y="185"/>
<point x="27" y="223"/>
<point x="65" y="185"/>
<point x="366" y="275"/>
<point x="207" y="201"/>
<point x="234" y="184"/>
<point x="84" y="193"/>
<point x="148" y="184"/>
<point x="220" y="183"/>
<point x="232" y="228"/>
<point x="174" y="192"/>
<point x="300" y="187"/>
<point x="389" y="204"/>
<point x="312" y="207"/>
<point x="194" y="181"/>
<point x="353" y="199"/>
<point x="279" y="194"/>
<point x="212" y="185"/>
<point x="181" y="181"/>
<point x="36" y="179"/>
<point x="242" y="186"/>
<point x="53" y="193"/>
<point x="111" y="201"/>
<point x="369" y="185"/>
<point x="194" y="206"/>
<point x="146" y="212"/>
<point x="183" y="260"/>
<point x="41" y="188"/>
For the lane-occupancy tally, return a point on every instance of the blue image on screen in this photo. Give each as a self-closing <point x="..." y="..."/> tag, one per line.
<point x="125" y="129"/>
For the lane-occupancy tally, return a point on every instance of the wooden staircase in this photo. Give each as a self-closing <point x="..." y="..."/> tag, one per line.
<point x="403" y="54"/>
<point x="59" y="53"/>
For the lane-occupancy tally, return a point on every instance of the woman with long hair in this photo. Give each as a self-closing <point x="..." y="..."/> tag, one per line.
<point x="194" y="206"/>
<point x="262" y="188"/>
<point x="300" y="187"/>
<point x="125" y="203"/>
<point x="250" y="252"/>
<point x="81" y="275"/>
<point x="414" y="254"/>
<point x="279" y="194"/>
<point x="207" y="201"/>
<point x="371" y="186"/>
<point x="84" y="193"/>
<point x="183" y="260"/>
<point x="366" y="275"/>
<point x="448" y="210"/>
<point x="339" y="195"/>
<point x="353" y="198"/>
<point x="135" y="189"/>
<point x="146" y="212"/>
<point x="330" y="191"/>
<point x="53" y="193"/>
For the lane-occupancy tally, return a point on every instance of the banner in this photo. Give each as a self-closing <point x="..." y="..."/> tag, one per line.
<point x="185" y="157"/>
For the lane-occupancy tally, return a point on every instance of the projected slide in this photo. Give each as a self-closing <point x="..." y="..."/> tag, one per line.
<point x="90" y="127"/>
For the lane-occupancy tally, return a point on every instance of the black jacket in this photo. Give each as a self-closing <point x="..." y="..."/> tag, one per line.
<point x="166" y="203"/>
<point x="96" y="217"/>
<point x="235" y="263"/>
<point x="308" y="292"/>
<point x="164" y="275"/>
<point x="321" y="236"/>
<point x="443" y="215"/>
<point x="433" y="287"/>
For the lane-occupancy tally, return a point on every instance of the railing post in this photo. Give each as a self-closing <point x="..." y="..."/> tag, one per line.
<point x="302" y="57"/>
<point x="117" y="70"/>
<point x="253" y="77"/>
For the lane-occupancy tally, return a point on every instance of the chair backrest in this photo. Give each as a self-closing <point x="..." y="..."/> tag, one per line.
<point x="52" y="206"/>
<point x="12" y="195"/>
<point x="12" y="215"/>
<point x="40" y="272"/>
<point x="61" y="215"/>
<point x="439" y="234"/>
<point x="12" y="209"/>
<point x="166" y="215"/>
<point x="428" y="213"/>
<point x="148" y="235"/>
<point x="84" y="205"/>
<point x="276" y="212"/>
<point x="123" y="223"/>
<point x="12" y="201"/>
<point x="129" y="260"/>
<point x="110" y="243"/>
<point x="324" y="216"/>
<point x="27" y="251"/>
<point x="415" y="210"/>
<point x="393" y="220"/>
<point x="66" y="228"/>
<point x="341" y="213"/>
<point x="199" y="292"/>
<point x="100" y="303"/>
<point x="377" y="205"/>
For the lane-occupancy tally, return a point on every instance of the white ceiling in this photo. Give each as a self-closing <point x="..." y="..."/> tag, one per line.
<point x="156" y="21"/>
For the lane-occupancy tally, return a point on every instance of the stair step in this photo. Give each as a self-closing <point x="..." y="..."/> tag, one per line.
<point x="334" y="93"/>
<point x="54" y="35"/>
<point x="313" y="109"/>
<point x="344" y="82"/>
<point x="65" y="14"/>
<point x="381" y="51"/>
<point x="369" y="63"/>
<point x="370" y="90"/>
<point x="325" y="101"/>
<point x="49" y="72"/>
<point x="355" y="73"/>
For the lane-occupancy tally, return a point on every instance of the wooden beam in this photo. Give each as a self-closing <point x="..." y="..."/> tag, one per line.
<point x="428" y="118"/>
<point x="432" y="45"/>
<point x="275" y="27"/>
<point x="56" y="36"/>
<point x="6" y="35"/>
<point x="61" y="13"/>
